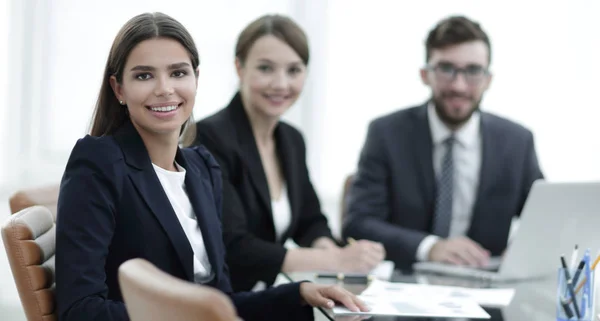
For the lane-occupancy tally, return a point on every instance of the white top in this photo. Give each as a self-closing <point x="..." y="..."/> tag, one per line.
<point x="467" y="165"/>
<point x="282" y="213"/>
<point x="173" y="184"/>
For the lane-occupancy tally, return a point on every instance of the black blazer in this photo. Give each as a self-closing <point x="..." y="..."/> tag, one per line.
<point x="393" y="195"/>
<point x="253" y="253"/>
<point x="112" y="208"/>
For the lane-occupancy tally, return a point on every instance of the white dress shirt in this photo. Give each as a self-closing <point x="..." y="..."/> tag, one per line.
<point x="467" y="165"/>
<point x="282" y="213"/>
<point x="173" y="184"/>
<point x="282" y="218"/>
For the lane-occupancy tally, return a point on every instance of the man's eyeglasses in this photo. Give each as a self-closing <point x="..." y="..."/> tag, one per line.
<point x="474" y="75"/>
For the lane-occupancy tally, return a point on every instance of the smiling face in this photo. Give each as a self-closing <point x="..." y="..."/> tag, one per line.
<point x="458" y="78"/>
<point x="271" y="77"/>
<point x="158" y="87"/>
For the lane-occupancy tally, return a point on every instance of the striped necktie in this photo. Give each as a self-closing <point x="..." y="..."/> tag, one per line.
<point x="444" y="194"/>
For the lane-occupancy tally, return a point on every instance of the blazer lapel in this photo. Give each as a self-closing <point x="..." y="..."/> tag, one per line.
<point x="489" y="166"/>
<point x="201" y="197"/>
<point x="150" y="189"/>
<point x="424" y="156"/>
<point x="288" y="160"/>
<point x="251" y="156"/>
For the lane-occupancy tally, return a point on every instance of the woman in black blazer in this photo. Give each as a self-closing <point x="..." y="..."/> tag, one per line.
<point x="129" y="191"/>
<point x="268" y="196"/>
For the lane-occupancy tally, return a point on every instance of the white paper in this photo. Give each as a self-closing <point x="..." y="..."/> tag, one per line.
<point x="418" y="306"/>
<point x="484" y="297"/>
<point x="384" y="270"/>
<point x="493" y="298"/>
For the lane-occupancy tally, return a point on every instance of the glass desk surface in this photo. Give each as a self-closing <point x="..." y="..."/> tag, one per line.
<point x="533" y="301"/>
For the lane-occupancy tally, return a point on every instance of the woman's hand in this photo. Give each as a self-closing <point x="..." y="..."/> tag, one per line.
<point x="324" y="243"/>
<point x="325" y="296"/>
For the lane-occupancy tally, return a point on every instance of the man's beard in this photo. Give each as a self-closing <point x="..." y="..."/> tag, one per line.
<point x="449" y="119"/>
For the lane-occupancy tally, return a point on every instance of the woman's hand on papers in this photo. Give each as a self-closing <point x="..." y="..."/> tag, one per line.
<point x="360" y="256"/>
<point x="325" y="296"/>
<point x="459" y="251"/>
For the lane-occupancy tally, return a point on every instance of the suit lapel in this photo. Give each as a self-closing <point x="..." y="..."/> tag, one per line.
<point x="150" y="189"/>
<point x="250" y="154"/>
<point x="489" y="166"/>
<point x="200" y="192"/>
<point x="424" y="156"/>
<point x="287" y="158"/>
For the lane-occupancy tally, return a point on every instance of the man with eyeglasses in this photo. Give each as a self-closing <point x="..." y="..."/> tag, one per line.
<point x="442" y="181"/>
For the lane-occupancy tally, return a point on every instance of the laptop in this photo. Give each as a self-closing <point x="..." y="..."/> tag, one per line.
<point x="555" y="217"/>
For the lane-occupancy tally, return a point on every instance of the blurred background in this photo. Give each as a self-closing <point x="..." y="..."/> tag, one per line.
<point x="365" y="60"/>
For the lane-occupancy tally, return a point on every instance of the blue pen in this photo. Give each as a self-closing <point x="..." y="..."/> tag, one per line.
<point x="587" y="287"/>
<point x="584" y="302"/>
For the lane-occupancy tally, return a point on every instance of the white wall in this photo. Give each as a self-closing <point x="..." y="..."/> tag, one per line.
<point x="4" y="23"/>
<point x="60" y="50"/>
<point x="545" y="65"/>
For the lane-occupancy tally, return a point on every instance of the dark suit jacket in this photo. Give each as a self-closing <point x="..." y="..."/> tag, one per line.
<point x="112" y="208"/>
<point x="253" y="253"/>
<point x="393" y="195"/>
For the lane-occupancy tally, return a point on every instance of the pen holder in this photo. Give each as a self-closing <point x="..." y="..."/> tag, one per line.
<point x="573" y="296"/>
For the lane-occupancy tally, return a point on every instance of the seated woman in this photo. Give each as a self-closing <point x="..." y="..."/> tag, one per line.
<point x="267" y="193"/>
<point x="129" y="191"/>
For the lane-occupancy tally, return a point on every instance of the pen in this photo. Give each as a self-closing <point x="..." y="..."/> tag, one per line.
<point x="342" y="276"/>
<point x="574" y="258"/>
<point x="565" y="307"/>
<point x="589" y="269"/>
<point x="596" y="262"/>
<point x="567" y="275"/>
<point x="578" y="272"/>
<point x="580" y="286"/>
<point x="565" y="268"/>
<point x="587" y="291"/>
<point x="584" y="303"/>
<point x="576" y="308"/>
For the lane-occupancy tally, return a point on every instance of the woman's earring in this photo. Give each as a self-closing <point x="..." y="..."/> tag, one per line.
<point x="121" y="102"/>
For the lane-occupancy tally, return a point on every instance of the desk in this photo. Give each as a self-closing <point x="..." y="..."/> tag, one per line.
<point x="533" y="301"/>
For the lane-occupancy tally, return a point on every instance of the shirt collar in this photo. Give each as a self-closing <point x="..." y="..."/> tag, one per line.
<point x="467" y="135"/>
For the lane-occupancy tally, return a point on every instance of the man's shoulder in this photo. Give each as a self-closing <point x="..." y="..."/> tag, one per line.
<point x="399" y="118"/>
<point x="504" y="125"/>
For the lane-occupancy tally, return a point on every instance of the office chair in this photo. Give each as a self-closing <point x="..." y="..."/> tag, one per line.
<point x="153" y="295"/>
<point x="29" y="239"/>
<point x="46" y="196"/>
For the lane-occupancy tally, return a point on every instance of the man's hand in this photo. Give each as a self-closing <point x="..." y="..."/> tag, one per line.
<point x="325" y="296"/>
<point x="459" y="251"/>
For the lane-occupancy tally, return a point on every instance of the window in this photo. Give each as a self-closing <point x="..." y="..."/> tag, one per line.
<point x="61" y="50"/>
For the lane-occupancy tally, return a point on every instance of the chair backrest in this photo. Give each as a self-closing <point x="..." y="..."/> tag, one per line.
<point x="45" y="196"/>
<point x="30" y="241"/>
<point x="152" y="295"/>
<point x="344" y="200"/>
